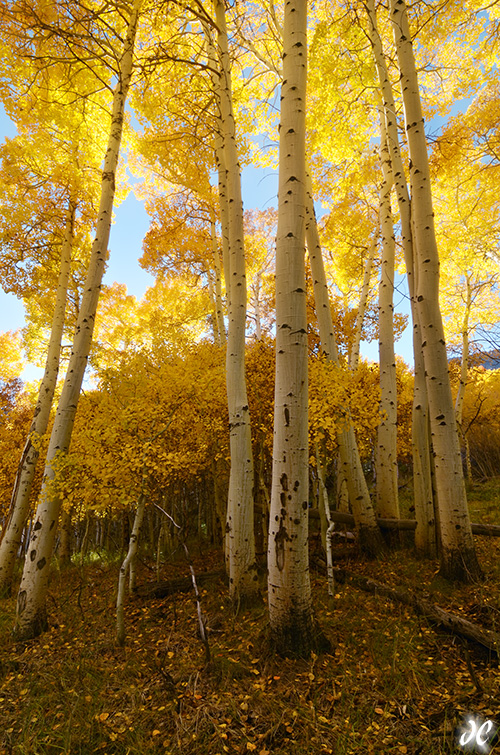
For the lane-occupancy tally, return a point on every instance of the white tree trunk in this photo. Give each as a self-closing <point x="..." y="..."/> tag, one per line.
<point x="219" y="310"/>
<point x="256" y="305"/>
<point x="327" y="524"/>
<point x="20" y="501"/>
<point x="128" y="565"/>
<point x="363" y="300"/>
<point x="31" y="600"/>
<point x="457" y="556"/>
<point x="289" y="590"/>
<point x="425" y="533"/>
<point x="351" y="469"/>
<point x="219" y="155"/>
<point x="464" y="371"/>
<point x="342" y="494"/>
<point x="464" y="362"/>
<point x="240" y="506"/>
<point x="386" y="463"/>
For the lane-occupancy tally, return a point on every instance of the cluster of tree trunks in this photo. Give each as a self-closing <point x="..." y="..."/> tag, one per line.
<point x="436" y="446"/>
<point x="342" y="517"/>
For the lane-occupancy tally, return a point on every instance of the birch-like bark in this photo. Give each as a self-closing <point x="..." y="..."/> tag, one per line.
<point x="20" y="500"/>
<point x="219" y="310"/>
<point x="370" y="538"/>
<point x="386" y="462"/>
<point x="240" y="505"/>
<point x="126" y="567"/>
<point x="458" y="559"/>
<point x="213" y="317"/>
<point x="464" y="362"/>
<point x="31" y="600"/>
<point x="425" y="533"/>
<point x="464" y="371"/>
<point x="363" y="300"/>
<point x="219" y="156"/>
<point x="256" y="305"/>
<point x="327" y="523"/>
<point x="289" y="590"/>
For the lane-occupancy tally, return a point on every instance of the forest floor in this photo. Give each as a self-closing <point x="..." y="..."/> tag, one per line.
<point x="392" y="683"/>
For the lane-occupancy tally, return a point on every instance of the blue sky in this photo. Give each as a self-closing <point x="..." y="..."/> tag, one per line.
<point x="131" y="223"/>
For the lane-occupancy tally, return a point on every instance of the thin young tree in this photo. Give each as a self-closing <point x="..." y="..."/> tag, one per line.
<point x="31" y="601"/>
<point x="386" y="463"/>
<point x="20" y="501"/>
<point x="240" y="505"/>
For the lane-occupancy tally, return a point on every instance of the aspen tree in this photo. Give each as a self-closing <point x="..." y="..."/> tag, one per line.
<point x="240" y="505"/>
<point x="458" y="559"/>
<point x="31" y="601"/>
<point x="289" y="591"/>
<point x="219" y="310"/>
<point x="363" y="300"/>
<point x="20" y="501"/>
<point x="126" y="567"/>
<point x="219" y="155"/>
<point x="386" y="462"/>
<point x="464" y="372"/>
<point x="351" y="468"/>
<point x="425" y="533"/>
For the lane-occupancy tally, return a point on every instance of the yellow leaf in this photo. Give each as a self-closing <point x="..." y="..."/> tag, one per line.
<point x="103" y="716"/>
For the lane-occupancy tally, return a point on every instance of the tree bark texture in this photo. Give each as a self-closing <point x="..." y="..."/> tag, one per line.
<point x="31" y="600"/>
<point x="215" y="75"/>
<point x="240" y="506"/>
<point x="219" y="310"/>
<point x="457" y="557"/>
<point x="289" y="590"/>
<point x="363" y="300"/>
<point x="386" y="461"/>
<point x="20" y="501"/>
<point x="425" y="536"/>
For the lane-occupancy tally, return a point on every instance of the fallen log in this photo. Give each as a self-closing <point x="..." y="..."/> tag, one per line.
<point x="450" y="621"/>
<point x="491" y="530"/>
<point x="171" y="586"/>
<point x="341" y="517"/>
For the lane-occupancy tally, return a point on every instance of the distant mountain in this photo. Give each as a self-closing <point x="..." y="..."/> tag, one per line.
<point x="490" y="360"/>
